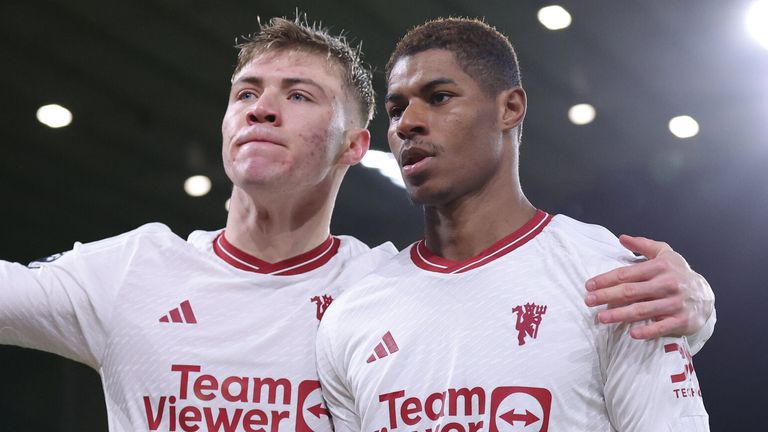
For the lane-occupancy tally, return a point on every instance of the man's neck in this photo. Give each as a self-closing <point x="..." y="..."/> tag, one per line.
<point x="278" y="228"/>
<point x="468" y="226"/>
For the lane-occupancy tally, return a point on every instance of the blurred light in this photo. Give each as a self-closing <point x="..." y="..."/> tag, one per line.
<point x="197" y="185"/>
<point x="757" y="21"/>
<point x="386" y="164"/>
<point x="54" y="116"/>
<point x="226" y="203"/>
<point x="684" y="127"/>
<point x="581" y="114"/>
<point x="554" y="17"/>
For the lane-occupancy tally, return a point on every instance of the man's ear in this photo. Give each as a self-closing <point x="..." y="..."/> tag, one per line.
<point x="356" y="143"/>
<point x="513" y="103"/>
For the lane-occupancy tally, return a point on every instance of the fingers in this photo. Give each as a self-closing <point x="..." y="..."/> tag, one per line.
<point x="633" y="273"/>
<point x="665" y="327"/>
<point x="671" y="319"/>
<point x="663" y="291"/>
<point x="643" y="310"/>
<point x="630" y="292"/>
<point x="644" y="246"/>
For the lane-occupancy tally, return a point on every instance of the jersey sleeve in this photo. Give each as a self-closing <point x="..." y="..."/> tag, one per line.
<point x="336" y="392"/>
<point x="648" y="385"/>
<point x="698" y="339"/>
<point x="48" y="308"/>
<point x="63" y="304"/>
<point x="651" y="385"/>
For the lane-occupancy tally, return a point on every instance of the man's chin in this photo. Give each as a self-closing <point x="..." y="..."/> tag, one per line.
<point x="262" y="179"/>
<point x="426" y="196"/>
<point x="260" y="170"/>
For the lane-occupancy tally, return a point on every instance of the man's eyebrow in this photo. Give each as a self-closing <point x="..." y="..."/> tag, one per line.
<point x="426" y="88"/>
<point x="252" y="80"/>
<point x="392" y="97"/>
<point x="289" y="82"/>
<point x="285" y="82"/>
<point x="434" y="83"/>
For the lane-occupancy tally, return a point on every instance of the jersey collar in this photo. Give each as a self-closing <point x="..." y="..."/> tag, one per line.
<point x="299" y="264"/>
<point x="425" y="259"/>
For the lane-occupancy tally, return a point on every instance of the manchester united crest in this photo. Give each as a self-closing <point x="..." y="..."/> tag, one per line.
<point x="322" y="303"/>
<point x="528" y="322"/>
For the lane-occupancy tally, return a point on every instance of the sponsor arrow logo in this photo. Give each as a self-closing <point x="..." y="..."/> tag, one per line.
<point x="318" y="410"/>
<point x="510" y="417"/>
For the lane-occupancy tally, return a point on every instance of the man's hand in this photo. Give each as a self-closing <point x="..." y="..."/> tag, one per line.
<point x="663" y="288"/>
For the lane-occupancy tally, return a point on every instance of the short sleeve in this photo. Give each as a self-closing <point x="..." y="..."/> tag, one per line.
<point x="48" y="307"/>
<point x="336" y="392"/>
<point x="698" y="339"/>
<point x="651" y="385"/>
<point x="63" y="304"/>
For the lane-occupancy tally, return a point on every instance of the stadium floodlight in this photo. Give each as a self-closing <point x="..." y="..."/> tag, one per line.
<point x="757" y="21"/>
<point x="197" y="185"/>
<point x="54" y="116"/>
<point x="581" y="114"/>
<point x="554" y="17"/>
<point x="684" y="127"/>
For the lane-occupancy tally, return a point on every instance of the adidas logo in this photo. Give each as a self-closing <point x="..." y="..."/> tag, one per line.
<point x="182" y="314"/>
<point x="386" y="347"/>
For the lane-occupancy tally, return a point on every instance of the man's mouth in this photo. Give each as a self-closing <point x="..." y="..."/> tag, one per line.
<point x="414" y="161"/>
<point x="257" y="137"/>
<point x="412" y="156"/>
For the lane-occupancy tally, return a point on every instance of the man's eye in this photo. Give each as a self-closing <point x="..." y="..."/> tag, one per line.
<point x="297" y="97"/>
<point x="246" y="95"/>
<point x="439" y="98"/>
<point x="395" y="112"/>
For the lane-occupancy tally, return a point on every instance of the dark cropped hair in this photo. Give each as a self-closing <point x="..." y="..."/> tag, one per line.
<point x="298" y="35"/>
<point x="481" y="51"/>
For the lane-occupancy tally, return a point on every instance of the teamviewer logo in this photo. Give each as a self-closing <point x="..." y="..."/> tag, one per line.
<point x="311" y="413"/>
<point x="520" y="409"/>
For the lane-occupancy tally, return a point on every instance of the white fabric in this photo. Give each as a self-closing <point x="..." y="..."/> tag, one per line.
<point x="697" y="340"/>
<point x="457" y="364"/>
<point x="246" y="363"/>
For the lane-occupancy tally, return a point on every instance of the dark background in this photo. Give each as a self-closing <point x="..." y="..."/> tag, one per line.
<point x="147" y="82"/>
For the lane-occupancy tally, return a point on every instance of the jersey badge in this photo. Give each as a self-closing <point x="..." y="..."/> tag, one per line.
<point x="321" y="303"/>
<point x="49" y="259"/>
<point x="529" y="318"/>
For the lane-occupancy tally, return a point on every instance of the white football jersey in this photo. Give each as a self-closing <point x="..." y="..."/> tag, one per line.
<point x="187" y="335"/>
<point x="500" y="342"/>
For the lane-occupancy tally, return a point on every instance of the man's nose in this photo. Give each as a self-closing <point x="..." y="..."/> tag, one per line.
<point x="264" y="110"/>
<point x="412" y="122"/>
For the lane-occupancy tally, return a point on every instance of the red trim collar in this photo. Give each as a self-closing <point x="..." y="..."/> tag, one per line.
<point x="292" y="266"/>
<point x="425" y="259"/>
